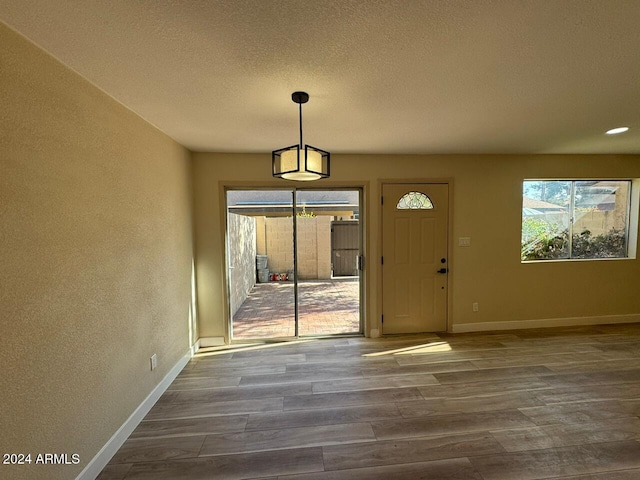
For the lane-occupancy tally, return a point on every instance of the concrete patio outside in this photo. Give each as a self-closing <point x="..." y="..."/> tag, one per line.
<point x="325" y="307"/>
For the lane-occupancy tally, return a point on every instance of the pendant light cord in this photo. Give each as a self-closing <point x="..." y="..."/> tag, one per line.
<point x="300" y="105"/>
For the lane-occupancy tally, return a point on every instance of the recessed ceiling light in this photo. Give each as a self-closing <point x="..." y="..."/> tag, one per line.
<point x="615" y="131"/>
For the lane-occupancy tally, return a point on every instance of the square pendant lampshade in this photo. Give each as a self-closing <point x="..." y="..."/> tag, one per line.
<point x="297" y="162"/>
<point x="294" y="163"/>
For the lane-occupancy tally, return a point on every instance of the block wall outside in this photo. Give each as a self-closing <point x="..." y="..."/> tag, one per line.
<point x="314" y="246"/>
<point x="279" y="244"/>
<point x="242" y="257"/>
<point x="323" y="238"/>
<point x="261" y="236"/>
<point x="307" y="248"/>
<point x="600" y="222"/>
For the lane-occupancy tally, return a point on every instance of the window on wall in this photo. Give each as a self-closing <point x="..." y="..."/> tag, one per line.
<point x="414" y="201"/>
<point x="575" y="219"/>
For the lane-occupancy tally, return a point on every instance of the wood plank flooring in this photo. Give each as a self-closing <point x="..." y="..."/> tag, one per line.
<point x="559" y="403"/>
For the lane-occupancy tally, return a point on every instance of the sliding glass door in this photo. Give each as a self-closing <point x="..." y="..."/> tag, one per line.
<point x="293" y="262"/>
<point x="328" y="251"/>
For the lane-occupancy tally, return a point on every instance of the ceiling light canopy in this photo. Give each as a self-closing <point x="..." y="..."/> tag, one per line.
<point x="300" y="162"/>
<point x="615" y="131"/>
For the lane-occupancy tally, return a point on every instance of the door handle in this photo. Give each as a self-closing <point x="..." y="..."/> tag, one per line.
<point x="442" y="270"/>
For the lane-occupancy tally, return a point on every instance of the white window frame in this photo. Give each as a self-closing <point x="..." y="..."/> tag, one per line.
<point x="631" y="228"/>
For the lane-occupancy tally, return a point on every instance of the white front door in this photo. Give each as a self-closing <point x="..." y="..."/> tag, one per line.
<point x="414" y="257"/>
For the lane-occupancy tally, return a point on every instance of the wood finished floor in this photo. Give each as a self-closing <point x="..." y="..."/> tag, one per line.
<point x="518" y="405"/>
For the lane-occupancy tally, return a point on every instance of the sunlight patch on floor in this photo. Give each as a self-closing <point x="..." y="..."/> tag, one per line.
<point x="415" y="350"/>
<point x="244" y="347"/>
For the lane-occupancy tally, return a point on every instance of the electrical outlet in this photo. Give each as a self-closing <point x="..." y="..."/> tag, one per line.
<point x="475" y="306"/>
<point x="154" y="361"/>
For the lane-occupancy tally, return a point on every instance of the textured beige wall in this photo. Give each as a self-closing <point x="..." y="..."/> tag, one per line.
<point x="95" y="260"/>
<point x="487" y="207"/>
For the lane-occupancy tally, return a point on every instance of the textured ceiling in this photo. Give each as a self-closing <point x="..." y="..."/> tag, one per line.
<point x="384" y="76"/>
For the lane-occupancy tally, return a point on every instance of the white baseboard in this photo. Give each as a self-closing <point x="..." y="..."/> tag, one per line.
<point x="195" y="347"/>
<point x="106" y="453"/>
<point x="211" y="342"/>
<point x="545" y="323"/>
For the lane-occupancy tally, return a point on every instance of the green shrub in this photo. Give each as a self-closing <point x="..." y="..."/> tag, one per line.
<point x="545" y="241"/>
<point x="608" y="245"/>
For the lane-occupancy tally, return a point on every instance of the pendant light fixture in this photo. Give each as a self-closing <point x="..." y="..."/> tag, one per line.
<point x="300" y="162"/>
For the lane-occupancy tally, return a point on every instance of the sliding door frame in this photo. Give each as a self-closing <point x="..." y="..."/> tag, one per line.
<point x="362" y="189"/>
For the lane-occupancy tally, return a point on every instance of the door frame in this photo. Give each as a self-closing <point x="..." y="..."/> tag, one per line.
<point x="363" y="189"/>
<point x="450" y="244"/>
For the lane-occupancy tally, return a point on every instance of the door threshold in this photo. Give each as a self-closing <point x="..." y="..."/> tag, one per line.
<point x="301" y="338"/>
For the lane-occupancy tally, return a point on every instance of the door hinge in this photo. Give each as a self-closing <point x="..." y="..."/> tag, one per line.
<point x="381" y="200"/>
<point x="360" y="262"/>
<point x="382" y="319"/>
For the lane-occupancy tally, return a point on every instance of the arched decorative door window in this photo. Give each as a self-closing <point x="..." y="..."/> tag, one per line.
<point x="414" y="201"/>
